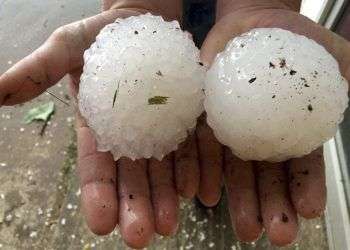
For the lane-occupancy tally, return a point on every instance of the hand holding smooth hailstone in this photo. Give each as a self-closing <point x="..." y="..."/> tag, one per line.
<point x="273" y="95"/>
<point x="141" y="89"/>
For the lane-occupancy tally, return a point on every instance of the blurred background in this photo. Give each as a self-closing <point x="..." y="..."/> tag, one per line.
<point x="39" y="194"/>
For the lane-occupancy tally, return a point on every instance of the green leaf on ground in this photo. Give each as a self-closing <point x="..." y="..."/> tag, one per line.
<point x="40" y="113"/>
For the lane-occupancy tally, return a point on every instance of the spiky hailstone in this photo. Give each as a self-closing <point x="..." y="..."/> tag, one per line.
<point x="273" y="95"/>
<point x="142" y="87"/>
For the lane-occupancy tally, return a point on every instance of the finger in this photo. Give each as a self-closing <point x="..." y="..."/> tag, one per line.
<point x="242" y="198"/>
<point x="187" y="168"/>
<point x="224" y="7"/>
<point x="164" y="196"/>
<point x="307" y="183"/>
<point x="97" y="172"/>
<point x="106" y="4"/>
<point x="211" y="163"/>
<point x="136" y="219"/>
<point x="279" y="217"/>
<point x="335" y="44"/>
<point x="60" y="54"/>
<point x="226" y="28"/>
<point x="171" y="10"/>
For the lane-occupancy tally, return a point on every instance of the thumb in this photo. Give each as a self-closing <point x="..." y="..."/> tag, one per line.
<point x="223" y="31"/>
<point x="60" y="54"/>
<point x="236" y="23"/>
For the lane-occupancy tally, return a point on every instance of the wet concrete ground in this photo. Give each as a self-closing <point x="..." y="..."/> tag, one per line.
<point x="39" y="194"/>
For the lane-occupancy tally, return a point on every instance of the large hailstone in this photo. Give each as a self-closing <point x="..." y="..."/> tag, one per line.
<point x="273" y="95"/>
<point x="142" y="87"/>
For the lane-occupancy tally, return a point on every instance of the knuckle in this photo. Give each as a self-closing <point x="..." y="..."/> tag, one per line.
<point x="60" y="34"/>
<point x="70" y="35"/>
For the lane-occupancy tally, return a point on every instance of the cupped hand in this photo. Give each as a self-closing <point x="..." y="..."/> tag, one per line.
<point x="265" y="195"/>
<point x="141" y="196"/>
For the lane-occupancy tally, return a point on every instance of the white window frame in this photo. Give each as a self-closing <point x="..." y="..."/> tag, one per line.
<point x="337" y="175"/>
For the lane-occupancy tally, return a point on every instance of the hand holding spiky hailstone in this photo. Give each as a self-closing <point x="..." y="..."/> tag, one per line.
<point x="273" y="95"/>
<point x="141" y="89"/>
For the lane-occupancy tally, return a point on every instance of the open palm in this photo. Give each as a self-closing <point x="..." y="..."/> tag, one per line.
<point x="140" y="196"/>
<point x="261" y="194"/>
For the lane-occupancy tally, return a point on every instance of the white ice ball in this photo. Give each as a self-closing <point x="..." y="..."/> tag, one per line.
<point x="273" y="95"/>
<point x="142" y="87"/>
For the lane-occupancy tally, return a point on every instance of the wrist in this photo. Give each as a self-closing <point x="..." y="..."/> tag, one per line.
<point x="169" y="9"/>
<point x="225" y="7"/>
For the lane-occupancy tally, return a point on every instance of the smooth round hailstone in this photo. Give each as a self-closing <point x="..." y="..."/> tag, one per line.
<point x="273" y="95"/>
<point x="142" y="87"/>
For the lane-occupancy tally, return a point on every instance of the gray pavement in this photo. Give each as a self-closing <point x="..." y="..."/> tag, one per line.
<point x="39" y="194"/>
